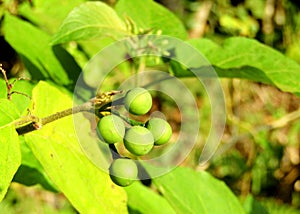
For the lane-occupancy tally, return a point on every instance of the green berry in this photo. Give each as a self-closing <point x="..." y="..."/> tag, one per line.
<point x="138" y="101"/>
<point x="138" y="140"/>
<point x="123" y="171"/>
<point x="160" y="129"/>
<point x="111" y="129"/>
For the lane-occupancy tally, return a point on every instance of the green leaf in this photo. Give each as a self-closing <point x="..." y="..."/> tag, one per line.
<point x="246" y="58"/>
<point x="141" y="199"/>
<point x="10" y="156"/>
<point x="252" y="206"/>
<point x="31" y="171"/>
<point x="30" y="176"/>
<point x="197" y="192"/>
<point x="21" y="101"/>
<point x="47" y="14"/>
<point x="33" y="46"/>
<point x="90" y="20"/>
<point x="149" y="15"/>
<point x="3" y="89"/>
<point x="56" y="147"/>
<point x="8" y="113"/>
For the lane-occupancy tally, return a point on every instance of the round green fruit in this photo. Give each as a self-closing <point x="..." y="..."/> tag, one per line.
<point x="111" y="129"/>
<point x="160" y="129"/>
<point x="123" y="171"/>
<point x="138" y="140"/>
<point x="138" y="101"/>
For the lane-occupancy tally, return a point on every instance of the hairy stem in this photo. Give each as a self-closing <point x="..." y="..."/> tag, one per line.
<point x="35" y="123"/>
<point x="32" y="122"/>
<point x="86" y="107"/>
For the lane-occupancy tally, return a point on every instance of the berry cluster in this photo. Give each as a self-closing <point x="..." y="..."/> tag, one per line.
<point x="138" y="139"/>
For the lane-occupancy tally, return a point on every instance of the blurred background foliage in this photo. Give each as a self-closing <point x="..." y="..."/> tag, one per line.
<point x="260" y="162"/>
<point x="263" y="129"/>
<point x="273" y="22"/>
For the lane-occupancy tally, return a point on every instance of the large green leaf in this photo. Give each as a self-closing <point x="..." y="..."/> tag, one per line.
<point x="149" y="15"/>
<point x="90" y="20"/>
<point x="197" y="192"/>
<point x="8" y="113"/>
<point x="10" y="155"/>
<point x="246" y="58"/>
<point x="31" y="171"/>
<point x="39" y="57"/>
<point x="47" y="14"/>
<point x="56" y="147"/>
<point x="141" y="200"/>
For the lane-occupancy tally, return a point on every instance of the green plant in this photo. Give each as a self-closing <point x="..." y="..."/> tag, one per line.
<point x="138" y="101"/>
<point x="39" y="144"/>
<point x="160" y="129"/>
<point x="138" y="140"/>
<point x="123" y="171"/>
<point x="111" y="129"/>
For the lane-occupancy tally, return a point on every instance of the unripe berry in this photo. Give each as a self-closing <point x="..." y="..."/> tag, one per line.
<point x="160" y="129"/>
<point x="123" y="171"/>
<point x="111" y="129"/>
<point x="138" y="140"/>
<point x="138" y="101"/>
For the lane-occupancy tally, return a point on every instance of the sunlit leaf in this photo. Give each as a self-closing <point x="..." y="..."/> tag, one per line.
<point x="149" y="15"/>
<point x="90" y="20"/>
<point x="31" y="171"/>
<point x="10" y="155"/>
<point x="56" y="146"/>
<point x="141" y="199"/>
<point x="39" y="57"/>
<point x="189" y="191"/>
<point x="246" y="58"/>
<point x="47" y="14"/>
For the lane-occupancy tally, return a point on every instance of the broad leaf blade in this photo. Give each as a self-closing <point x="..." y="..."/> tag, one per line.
<point x="141" y="200"/>
<point x="246" y="58"/>
<point x="90" y="20"/>
<point x="32" y="45"/>
<point x="47" y="14"/>
<point x="149" y="15"/>
<point x="8" y="113"/>
<point x="31" y="171"/>
<point x="56" y="146"/>
<point x="197" y="192"/>
<point x="10" y="155"/>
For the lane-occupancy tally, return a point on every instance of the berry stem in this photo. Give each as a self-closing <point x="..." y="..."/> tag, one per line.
<point x="114" y="152"/>
<point x="32" y="122"/>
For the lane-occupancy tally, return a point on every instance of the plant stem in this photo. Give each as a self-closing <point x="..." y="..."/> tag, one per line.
<point x="85" y="107"/>
<point x="8" y="86"/>
<point x="34" y="123"/>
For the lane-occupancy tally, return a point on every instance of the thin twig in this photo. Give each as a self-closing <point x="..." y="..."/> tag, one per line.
<point x="201" y="18"/>
<point x="20" y="93"/>
<point x="8" y="85"/>
<point x="286" y="119"/>
<point x="252" y="132"/>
